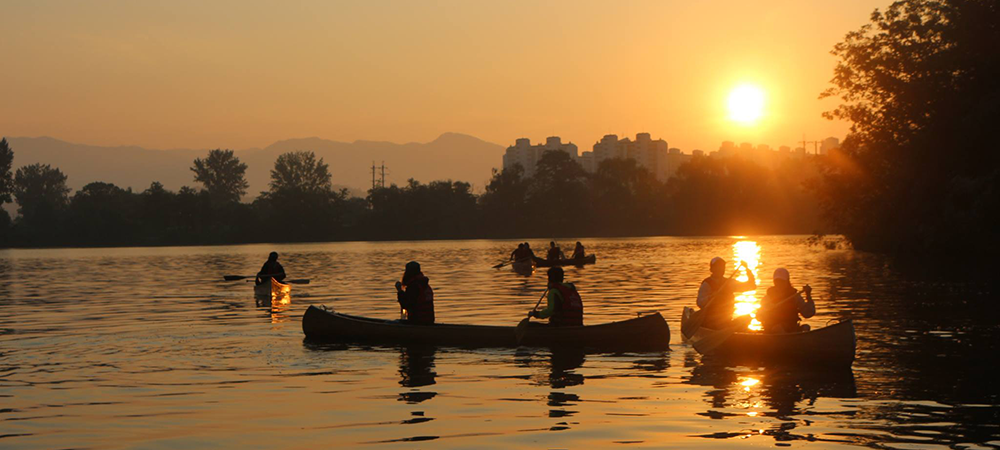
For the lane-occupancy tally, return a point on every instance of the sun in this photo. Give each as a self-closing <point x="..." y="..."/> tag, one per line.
<point x="746" y="104"/>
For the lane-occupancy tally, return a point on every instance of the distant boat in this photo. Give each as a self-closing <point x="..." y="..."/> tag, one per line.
<point x="646" y="332"/>
<point x="525" y="266"/>
<point x="589" y="259"/>
<point x="832" y="345"/>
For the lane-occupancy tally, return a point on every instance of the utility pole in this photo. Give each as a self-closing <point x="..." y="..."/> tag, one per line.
<point x="383" y="174"/>
<point x="373" y="175"/>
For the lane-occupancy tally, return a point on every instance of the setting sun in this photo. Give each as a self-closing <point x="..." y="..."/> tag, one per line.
<point x="746" y="104"/>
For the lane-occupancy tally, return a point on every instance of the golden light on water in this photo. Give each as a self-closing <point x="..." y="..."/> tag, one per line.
<point x="747" y="302"/>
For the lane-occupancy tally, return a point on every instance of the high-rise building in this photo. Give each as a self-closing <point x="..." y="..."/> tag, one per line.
<point x="527" y="155"/>
<point x="828" y="144"/>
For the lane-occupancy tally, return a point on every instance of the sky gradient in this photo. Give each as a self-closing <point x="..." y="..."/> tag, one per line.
<point x="244" y="74"/>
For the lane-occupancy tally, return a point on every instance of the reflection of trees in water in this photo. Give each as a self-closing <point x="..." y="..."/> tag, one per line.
<point x="919" y="337"/>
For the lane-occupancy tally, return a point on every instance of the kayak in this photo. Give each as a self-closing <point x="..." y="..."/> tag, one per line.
<point x="833" y="345"/>
<point x="274" y="289"/>
<point x="525" y="266"/>
<point x="589" y="259"/>
<point x="644" y="332"/>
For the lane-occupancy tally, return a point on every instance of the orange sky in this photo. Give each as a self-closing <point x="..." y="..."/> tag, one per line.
<point x="242" y="74"/>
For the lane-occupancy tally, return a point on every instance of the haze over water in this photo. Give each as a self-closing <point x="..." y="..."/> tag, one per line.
<point x="146" y="347"/>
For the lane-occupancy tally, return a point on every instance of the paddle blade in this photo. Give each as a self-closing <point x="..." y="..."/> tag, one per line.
<point x="299" y="281"/>
<point x="522" y="327"/>
<point x="500" y="265"/>
<point x="234" y="277"/>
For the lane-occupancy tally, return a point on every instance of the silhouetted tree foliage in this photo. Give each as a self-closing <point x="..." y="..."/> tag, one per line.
<point x="709" y="196"/>
<point x="504" y="203"/>
<point x="441" y="209"/>
<point x="301" y="204"/>
<point x="557" y="201"/>
<point x="6" y="189"/>
<point x="918" y="174"/>
<point x="6" y="176"/>
<point x="41" y="195"/>
<point x="627" y="199"/>
<point x="222" y="174"/>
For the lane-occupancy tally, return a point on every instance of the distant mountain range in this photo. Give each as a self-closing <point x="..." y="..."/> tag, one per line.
<point x="452" y="156"/>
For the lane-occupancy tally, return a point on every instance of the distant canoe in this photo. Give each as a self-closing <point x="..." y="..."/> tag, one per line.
<point x="589" y="259"/>
<point x="272" y="289"/>
<point x="832" y="345"/>
<point x="525" y="266"/>
<point x="648" y="332"/>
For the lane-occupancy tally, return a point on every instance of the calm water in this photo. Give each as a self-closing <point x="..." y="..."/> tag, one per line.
<point x="111" y="348"/>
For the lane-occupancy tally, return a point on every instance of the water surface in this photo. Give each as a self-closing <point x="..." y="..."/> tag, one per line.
<point x="147" y="347"/>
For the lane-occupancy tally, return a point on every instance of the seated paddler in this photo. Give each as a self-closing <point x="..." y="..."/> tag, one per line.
<point x="271" y="269"/>
<point x="564" y="306"/>
<point x="415" y="295"/>
<point x="716" y="296"/>
<point x="783" y="304"/>
<point x="554" y="253"/>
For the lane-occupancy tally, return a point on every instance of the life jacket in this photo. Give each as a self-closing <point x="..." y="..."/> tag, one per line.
<point x="569" y="310"/>
<point x="720" y="310"/>
<point x="783" y="317"/>
<point x="422" y="310"/>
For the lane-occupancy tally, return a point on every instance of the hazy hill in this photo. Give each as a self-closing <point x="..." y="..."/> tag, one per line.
<point x="450" y="156"/>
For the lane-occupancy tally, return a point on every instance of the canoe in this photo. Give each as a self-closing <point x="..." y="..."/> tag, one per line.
<point x="645" y="332"/>
<point x="274" y="289"/>
<point x="524" y="266"/>
<point x="589" y="259"/>
<point x="833" y="345"/>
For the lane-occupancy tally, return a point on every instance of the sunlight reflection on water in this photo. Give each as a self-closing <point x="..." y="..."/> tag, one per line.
<point x="102" y="348"/>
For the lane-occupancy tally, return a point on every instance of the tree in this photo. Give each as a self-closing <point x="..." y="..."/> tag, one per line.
<point x="300" y="173"/>
<point x="918" y="172"/>
<point x="103" y="214"/>
<point x="503" y="202"/>
<point x="42" y="196"/>
<point x="6" y="179"/>
<point x="557" y="197"/>
<point x="301" y="204"/>
<point x="222" y="174"/>
<point x="625" y="197"/>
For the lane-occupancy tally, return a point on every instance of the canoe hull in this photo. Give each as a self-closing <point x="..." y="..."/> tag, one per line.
<point x="274" y="289"/>
<point x="832" y="345"/>
<point x="526" y="267"/>
<point x="589" y="259"/>
<point x="647" y="332"/>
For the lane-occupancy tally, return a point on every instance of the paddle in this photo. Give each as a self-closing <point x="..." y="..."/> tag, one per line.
<point x="240" y="277"/>
<point x="522" y="326"/>
<point x="501" y="264"/>
<point x="698" y="318"/>
<point x="709" y="342"/>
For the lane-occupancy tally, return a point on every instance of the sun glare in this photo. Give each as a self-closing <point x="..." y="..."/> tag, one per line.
<point x="746" y="104"/>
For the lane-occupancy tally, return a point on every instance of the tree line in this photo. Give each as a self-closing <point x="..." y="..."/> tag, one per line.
<point x="918" y="176"/>
<point x="708" y="196"/>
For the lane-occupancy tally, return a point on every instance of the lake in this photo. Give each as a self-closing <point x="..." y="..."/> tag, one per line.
<point x="149" y="348"/>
